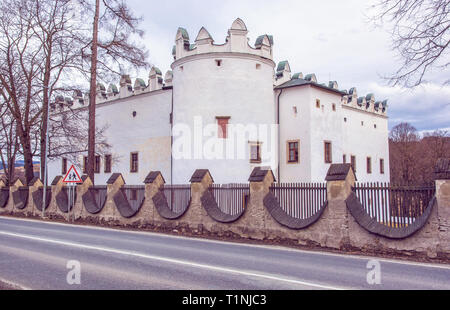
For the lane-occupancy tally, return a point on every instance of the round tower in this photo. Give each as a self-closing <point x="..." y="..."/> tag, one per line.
<point x="223" y="105"/>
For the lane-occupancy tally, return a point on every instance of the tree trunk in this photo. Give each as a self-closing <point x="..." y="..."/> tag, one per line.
<point x="92" y="96"/>
<point x="45" y="112"/>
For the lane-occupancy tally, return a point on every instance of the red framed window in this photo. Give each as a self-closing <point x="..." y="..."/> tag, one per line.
<point x="222" y="122"/>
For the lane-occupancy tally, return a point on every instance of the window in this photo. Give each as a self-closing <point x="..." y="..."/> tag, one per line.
<point x="318" y="103"/>
<point x="344" y="159"/>
<point x="97" y="164"/>
<point x="334" y="107"/>
<point x="375" y="126"/>
<point x="108" y="159"/>
<point x="64" y="166"/>
<point x="255" y="152"/>
<point x="258" y="66"/>
<point x="222" y="122"/>
<point x="345" y="119"/>
<point x="381" y="166"/>
<point x="362" y="123"/>
<point x="369" y="165"/>
<point x="293" y="152"/>
<point x="85" y="163"/>
<point x="218" y="62"/>
<point x="353" y="162"/>
<point x="134" y="162"/>
<point x="327" y="152"/>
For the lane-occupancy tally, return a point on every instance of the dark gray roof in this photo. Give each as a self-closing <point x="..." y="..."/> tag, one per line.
<point x="259" y="40"/>
<point x="151" y="177"/>
<point x="33" y="181"/>
<point x="302" y="82"/>
<point x="338" y="172"/>
<point x="199" y="175"/>
<point x="113" y="178"/>
<point x="442" y="169"/>
<point x="282" y="65"/>
<point x="259" y="173"/>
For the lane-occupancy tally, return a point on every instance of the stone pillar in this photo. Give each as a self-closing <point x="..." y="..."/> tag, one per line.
<point x="195" y="215"/>
<point x="334" y="222"/>
<point x="56" y="186"/>
<point x="81" y="190"/>
<point x="34" y="186"/>
<point x="110" y="212"/>
<point x="153" y="182"/>
<point x="252" y="224"/>
<point x="442" y="176"/>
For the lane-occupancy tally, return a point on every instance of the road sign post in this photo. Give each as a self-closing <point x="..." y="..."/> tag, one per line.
<point x="71" y="179"/>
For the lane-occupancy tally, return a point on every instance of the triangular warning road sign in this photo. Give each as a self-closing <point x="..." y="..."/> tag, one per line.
<point x="72" y="176"/>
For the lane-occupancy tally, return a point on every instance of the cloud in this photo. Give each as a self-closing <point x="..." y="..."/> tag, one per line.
<point x="426" y="107"/>
<point x="330" y="38"/>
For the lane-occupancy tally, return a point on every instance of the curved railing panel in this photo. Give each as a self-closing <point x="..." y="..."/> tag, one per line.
<point x="94" y="199"/>
<point x="163" y="209"/>
<point x="282" y="217"/>
<point x="62" y="200"/>
<point x="20" y="197"/>
<point x="129" y="200"/>
<point x="212" y="208"/>
<point x="357" y="210"/>
<point x="38" y="197"/>
<point x="4" y="197"/>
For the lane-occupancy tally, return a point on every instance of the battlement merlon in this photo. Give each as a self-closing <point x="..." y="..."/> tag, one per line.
<point x="236" y="42"/>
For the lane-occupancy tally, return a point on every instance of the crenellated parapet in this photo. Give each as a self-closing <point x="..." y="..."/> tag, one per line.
<point x="364" y="103"/>
<point x="126" y="88"/>
<point x="236" y="42"/>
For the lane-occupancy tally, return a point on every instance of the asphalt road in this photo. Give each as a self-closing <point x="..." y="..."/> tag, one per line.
<point x="35" y="255"/>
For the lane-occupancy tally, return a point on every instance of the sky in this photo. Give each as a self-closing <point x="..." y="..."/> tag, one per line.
<point x="333" y="39"/>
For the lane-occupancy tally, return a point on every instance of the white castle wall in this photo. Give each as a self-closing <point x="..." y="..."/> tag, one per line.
<point x="148" y="134"/>
<point x="240" y="88"/>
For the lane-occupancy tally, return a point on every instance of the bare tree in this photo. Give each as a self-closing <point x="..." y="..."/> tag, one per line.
<point x="9" y="145"/>
<point x="20" y="60"/>
<point x="112" y="51"/>
<point x="420" y="34"/>
<point x="403" y="140"/>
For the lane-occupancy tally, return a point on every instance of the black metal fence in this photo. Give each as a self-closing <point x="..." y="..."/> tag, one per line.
<point x="300" y="200"/>
<point x="231" y="198"/>
<point x="135" y="195"/>
<point x="178" y="197"/>
<point x="394" y="205"/>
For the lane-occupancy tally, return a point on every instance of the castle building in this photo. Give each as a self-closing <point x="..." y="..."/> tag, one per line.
<point x="229" y="108"/>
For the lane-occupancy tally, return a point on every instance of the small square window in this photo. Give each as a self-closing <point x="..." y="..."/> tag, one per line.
<point x="222" y="122"/>
<point x="219" y="62"/>
<point x="108" y="161"/>
<point x="293" y="151"/>
<point x="345" y="119"/>
<point x="344" y="159"/>
<point x="255" y="152"/>
<point x="328" y="152"/>
<point x="362" y="123"/>
<point x="133" y="194"/>
<point x="381" y="166"/>
<point x="258" y="66"/>
<point x="334" y="107"/>
<point x="134" y="162"/>
<point x="318" y="103"/>
<point x="369" y="165"/>
<point x="353" y="162"/>
<point x="97" y="164"/>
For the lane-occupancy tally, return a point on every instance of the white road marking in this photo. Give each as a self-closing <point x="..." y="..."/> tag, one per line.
<point x="171" y="260"/>
<point x="268" y="247"/>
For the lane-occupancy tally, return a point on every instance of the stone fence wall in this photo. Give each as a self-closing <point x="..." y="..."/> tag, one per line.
<point x="338" y="225"/>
